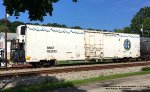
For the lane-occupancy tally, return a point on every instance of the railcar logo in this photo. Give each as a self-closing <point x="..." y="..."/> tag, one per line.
<point x="127" y="44"/>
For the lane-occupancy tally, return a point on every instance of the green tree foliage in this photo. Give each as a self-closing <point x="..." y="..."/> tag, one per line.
<point x="2" y="29"/>
<point x="36" y="8"/>
<point x="14" y="25"/>
<point x="119" y="30"/>
<point x="146" y="24"/>
<point x="76" y="27"/>
<point x="141" y="18"/>
<point x="2" y="24"/>
<point x="56" y="25"/>
<point x="127" y="30"/>
<point x="124" y="30"/>
<point x="90" y="29"/>
<point x="10" y="25"/>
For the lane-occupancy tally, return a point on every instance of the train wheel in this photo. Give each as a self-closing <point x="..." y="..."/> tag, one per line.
<point x="34" y="64"/>
<point x="52" y="62"/>
<point x="114" y="60"/>
<point x="126" y="60"/>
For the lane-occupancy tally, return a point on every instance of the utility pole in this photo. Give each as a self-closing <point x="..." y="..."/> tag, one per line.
<point x="5" y="39"/>
<point x="142" y="30"/>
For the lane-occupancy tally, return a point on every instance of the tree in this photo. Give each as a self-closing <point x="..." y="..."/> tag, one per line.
<point x="127" y="29"/>
<point x="14" y="25"/>
<point x="76" y="27"/>
<point x="2" y="29"/>
<point x="124" y="30"/>
<point x="2" y="24"/>
<point x="146" y="24"/>
<point x="36" y="8"/>
<point x="141" y="19"/>
<point x="118" y="30"/>
<point x="90" y="29"/>
<point x="56" y="25"/>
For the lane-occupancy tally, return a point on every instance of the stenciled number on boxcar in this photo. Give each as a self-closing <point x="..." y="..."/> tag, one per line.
<point x="51" y="49"/>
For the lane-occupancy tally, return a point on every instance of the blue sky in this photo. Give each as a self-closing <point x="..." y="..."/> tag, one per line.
<point x="98" y="14"/>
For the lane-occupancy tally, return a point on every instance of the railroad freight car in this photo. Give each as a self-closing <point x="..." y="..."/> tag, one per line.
<point x="110" y="45"/>
<point x="45" y="45"/>
<point x="145" y="48"/>
<point x="48" y="44"/>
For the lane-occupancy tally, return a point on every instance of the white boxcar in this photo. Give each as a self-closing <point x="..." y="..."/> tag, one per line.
<point x="109" y="45"/>
<point x="49" y="43"/>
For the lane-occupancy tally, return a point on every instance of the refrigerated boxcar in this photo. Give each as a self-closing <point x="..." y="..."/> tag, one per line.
<point x="42" y="44"/>
<point x="49" y="44"/>
<point x="110" y="45"/>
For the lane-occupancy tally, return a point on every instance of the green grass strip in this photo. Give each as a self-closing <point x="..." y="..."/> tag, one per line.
<point x="50" y="86"/>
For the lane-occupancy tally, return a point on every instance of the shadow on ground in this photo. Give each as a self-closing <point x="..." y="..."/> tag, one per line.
<point x="144" y="90"/>
<point x="38" y="83"/>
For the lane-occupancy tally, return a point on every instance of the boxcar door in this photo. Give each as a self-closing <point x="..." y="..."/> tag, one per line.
<point x="93" y="45"/>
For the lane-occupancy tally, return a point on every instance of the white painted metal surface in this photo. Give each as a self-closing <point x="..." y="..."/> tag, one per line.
<point x="19" y="35"/>
<point x="109" y="45"/>
<point x="46" y="43"/>
<point x="93" y="45"/>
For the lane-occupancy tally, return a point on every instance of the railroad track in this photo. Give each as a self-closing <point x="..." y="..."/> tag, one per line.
<point x="23" y="67"/>
<point x="73" y="69"/>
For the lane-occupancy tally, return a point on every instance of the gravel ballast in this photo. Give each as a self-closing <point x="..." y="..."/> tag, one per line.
<point x="46" y="78"/>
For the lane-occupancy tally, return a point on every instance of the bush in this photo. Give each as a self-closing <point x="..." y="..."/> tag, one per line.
<point x="146" y="68"/>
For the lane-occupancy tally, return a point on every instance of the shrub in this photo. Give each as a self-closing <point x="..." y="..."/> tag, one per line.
<point x="146" y="68"/>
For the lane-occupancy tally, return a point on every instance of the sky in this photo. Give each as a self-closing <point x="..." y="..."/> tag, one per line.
<point x="96" y="14"/>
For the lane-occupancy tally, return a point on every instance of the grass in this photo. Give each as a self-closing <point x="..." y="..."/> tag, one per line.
<point x="146" y="68"/>
<point x="49" y="86"/>
<point x="70" y="62"/>
<point x="82" y="62"/>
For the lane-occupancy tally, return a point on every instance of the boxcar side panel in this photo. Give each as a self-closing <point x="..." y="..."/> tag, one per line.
<point x="47" y="43"/>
